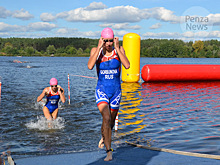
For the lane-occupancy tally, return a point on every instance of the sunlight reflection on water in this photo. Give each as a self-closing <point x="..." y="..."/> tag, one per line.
<point x="177" y="115"/>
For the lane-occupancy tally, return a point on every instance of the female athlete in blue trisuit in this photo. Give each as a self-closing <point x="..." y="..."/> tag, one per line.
<point x="108" y="60"/>
<point x="53" y="93"/>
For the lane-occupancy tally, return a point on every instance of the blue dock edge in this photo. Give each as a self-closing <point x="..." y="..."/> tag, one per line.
<point x="125" y="155"/>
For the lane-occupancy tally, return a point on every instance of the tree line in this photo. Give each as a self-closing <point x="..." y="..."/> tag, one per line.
<point x="180" y="49"/>
<point x="46" y="46"/>
<point x="58" y="46"/>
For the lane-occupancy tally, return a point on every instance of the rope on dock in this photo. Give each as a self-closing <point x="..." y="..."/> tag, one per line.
<point x="176" y="152"/>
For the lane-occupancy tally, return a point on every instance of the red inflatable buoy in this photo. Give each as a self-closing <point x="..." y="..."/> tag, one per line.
<point x="180" y="72"/>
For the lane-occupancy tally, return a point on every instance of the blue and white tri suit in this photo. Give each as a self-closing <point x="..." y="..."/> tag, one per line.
<point x="108" y="89"/>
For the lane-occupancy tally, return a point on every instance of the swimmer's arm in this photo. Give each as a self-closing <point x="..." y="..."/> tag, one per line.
<point x="124" y="60"/>
<point x="93" y="57"/>
<point x="121" y="52"/>
<point x="61" y="92"/>
<point x="45" y="91"/>
<point x="94" y="54"/>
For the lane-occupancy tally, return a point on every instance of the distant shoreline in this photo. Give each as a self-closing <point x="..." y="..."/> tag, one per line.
<point x="81" y="47"/>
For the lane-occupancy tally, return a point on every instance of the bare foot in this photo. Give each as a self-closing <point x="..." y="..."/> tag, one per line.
<point x="101" y="143"/>
<point x="109" y="156"/>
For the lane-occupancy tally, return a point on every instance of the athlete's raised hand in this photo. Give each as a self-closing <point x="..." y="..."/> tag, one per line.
<point x="116" y="42"/>
<point x="60" y="90"/>
<point x="101" y="42"/>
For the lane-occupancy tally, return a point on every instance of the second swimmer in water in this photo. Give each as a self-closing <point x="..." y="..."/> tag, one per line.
<point x="53" y="93"/>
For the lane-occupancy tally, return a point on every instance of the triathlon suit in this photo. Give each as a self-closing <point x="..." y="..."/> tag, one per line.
<point x="108" y="88"/>
<point x="52" y="101"/>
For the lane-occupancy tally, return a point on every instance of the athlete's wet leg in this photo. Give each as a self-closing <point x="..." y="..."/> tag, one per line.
<point x="55" y="113"/>
<point x="106" y="128"/>
<point x="47" y="113"/>
<point x="101" y="143"/>
<point x="113" y="117"/>
<point x="48" y="116"/>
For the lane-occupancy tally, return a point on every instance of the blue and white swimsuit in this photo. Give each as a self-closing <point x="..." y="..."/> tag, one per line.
<point x="108" y="89"/>
<point x="52" y="101"/>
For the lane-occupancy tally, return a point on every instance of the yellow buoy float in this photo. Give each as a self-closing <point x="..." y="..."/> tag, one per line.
<point x="132" y="44"/>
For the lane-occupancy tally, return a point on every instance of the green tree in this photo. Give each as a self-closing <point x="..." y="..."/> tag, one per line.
<point x="154" y="51"/>
<point x="51" y="49"/>
<point x="60" y="50"/>
<point x="79" y="51"/>
<point x="21" y="52"/>
<point x="71" y="50"/>
<point x="9" y="49"/>
<point x="87" y="50"/>
<point x="209" y="54"/>
<point x="145" y="52"/>
<point x="29" y="50"/>
<point x="168" y="49"/>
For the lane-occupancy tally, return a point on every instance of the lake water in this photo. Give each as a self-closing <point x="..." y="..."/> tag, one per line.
<point x="183" y="116"/>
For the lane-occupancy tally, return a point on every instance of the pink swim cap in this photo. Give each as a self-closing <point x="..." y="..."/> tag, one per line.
<point x="107" y="33"/>
<point x="53" y="81"/>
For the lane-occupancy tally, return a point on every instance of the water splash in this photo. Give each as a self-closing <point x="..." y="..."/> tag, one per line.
<point x="28" y="66"/>
<point x="41" y="104"/>
<point x="43" y="124"/>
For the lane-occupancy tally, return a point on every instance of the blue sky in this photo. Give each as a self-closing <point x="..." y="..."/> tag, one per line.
<point x="169" y="19"/>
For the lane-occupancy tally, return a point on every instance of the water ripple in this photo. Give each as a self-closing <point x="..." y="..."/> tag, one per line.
<point x="173" y="114"/>
<point x="176" y="115"/>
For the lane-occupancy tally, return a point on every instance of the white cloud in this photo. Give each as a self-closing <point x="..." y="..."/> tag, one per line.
<point x="90" y="34"/>
<point x="160" y="13"/>
<point x="37" y="26"/>
<point x="11" y="28"/>
<point x="156" y="26"/>
<point x="22" y="14"/>
<point x="112" y="15"/>
<point x="120" y="18"/>
<point x="203" y="35"/>
<point x="98" y="12"/>
<point x="25" y="35"/>
<point x="214" y="19"/>
<point x="214" y="34"/>
<point x="120" y="33"/>
<point x="4" y="13"/>
<point x="5" y="34"/>
<point x="188" y="34"/>
<point x="19" y="14"/>
<point x="66" y="31"/>
<point x="96" y="6"/>
<point x="119" y="26"/>
<point x="162" y="35"/>
<point x="47" y="17"/>
<point x="122" y="15"/>
<point x="73" y="32"/>
<point x="62" y="15"/>
<point x="41" y="26"/>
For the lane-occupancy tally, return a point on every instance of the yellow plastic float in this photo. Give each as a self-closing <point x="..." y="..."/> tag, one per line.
<point x="132" y="44"/>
